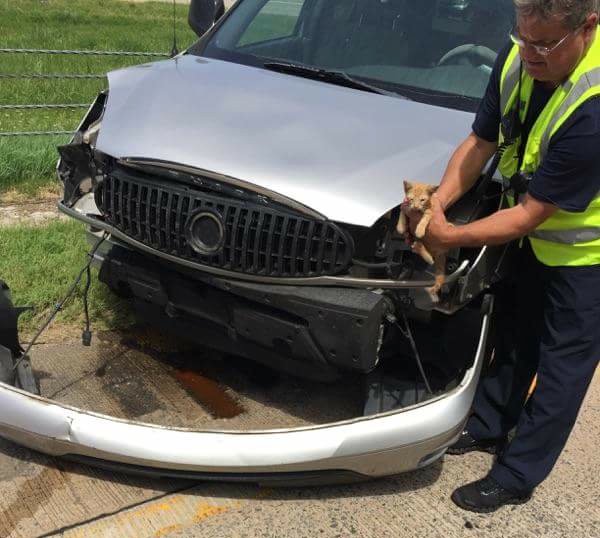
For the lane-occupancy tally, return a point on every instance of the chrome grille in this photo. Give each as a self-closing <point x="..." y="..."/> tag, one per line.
<point x="260" y="240"/>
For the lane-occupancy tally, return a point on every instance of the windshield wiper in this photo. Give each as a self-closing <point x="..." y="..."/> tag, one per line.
<point x="334" y="77"/>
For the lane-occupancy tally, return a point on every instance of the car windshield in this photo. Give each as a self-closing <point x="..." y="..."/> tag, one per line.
<point x="436" y="51"/>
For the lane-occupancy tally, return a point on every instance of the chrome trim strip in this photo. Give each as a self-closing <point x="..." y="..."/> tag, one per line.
<point x="477" y="261"/>
<point x="138" y="163"/>
<point x="312" y="281"/>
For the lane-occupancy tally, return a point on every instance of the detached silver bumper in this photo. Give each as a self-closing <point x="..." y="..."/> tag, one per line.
<point x="372" y="446"/>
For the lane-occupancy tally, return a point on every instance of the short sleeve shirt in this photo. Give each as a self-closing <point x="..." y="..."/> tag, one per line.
<point x="569" y="175"/>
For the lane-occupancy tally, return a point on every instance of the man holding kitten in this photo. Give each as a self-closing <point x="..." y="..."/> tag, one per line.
<point x="543" y="106"/>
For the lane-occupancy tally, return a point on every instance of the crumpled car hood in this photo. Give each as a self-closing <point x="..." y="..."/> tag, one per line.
<point x="340" y="151"/>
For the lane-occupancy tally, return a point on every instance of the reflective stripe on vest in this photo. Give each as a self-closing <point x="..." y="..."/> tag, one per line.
<point x="510" y="83"/>
<point x="583" y="85"/>
<point x="568" y="237"/>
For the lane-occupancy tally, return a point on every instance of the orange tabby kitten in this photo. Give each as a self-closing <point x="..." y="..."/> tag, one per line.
<point x="418" y="199"/>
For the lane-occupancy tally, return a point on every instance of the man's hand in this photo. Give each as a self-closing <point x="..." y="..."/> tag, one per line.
<point x="439" y="231"/>
<point x="497" y="229"/>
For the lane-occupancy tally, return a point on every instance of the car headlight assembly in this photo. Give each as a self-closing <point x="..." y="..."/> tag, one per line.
<point x="76" y="166"/>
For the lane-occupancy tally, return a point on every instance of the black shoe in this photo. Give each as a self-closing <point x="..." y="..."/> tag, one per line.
<point x="466" y="443"/>
<point x="486" y="495"/>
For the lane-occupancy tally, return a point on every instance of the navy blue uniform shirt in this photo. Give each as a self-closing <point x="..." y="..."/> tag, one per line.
<point x="569" y="175"/>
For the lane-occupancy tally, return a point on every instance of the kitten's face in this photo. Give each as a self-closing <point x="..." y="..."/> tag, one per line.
<point x="418" y="195"/>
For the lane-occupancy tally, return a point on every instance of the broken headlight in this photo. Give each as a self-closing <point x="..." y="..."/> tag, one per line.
<point x="76" y="167"/>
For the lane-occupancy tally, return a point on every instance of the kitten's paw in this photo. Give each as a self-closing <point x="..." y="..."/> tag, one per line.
<point x="433" y="294"/>
<point x="418" y="248"/>
<point x="427" y="257"/>
<point x="402" y="225"/>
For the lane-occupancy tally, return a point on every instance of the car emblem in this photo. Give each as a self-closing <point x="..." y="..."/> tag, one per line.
<point x="205" y="232"/>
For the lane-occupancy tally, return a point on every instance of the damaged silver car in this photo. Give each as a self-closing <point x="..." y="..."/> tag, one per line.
<point x="248" y="192"/>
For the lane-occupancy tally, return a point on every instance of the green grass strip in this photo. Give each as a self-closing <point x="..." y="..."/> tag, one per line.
<point x="40" y="263"/>
<point x="28" y="167"/>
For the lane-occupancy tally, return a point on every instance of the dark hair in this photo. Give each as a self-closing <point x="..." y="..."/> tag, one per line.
<point x="574" y="12"/>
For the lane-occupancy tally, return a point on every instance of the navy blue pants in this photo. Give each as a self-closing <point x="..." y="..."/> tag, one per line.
<point x="548" y="323"/>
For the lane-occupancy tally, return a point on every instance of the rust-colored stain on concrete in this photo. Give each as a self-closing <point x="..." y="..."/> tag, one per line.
<point x="158" y="518"/>
<point x="168" y="530"/>
<point x="206" y="510"/>
<point x="158" y="507"/>
<point x="202" y="512"/>
<point x="210" y="394"/>
<point x="116" y="525"/>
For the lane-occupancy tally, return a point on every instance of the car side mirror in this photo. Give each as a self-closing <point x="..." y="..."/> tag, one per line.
<point x="203" y="14"/>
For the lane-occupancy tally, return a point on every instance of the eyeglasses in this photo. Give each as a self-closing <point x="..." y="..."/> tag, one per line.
<point x="540" y="49"/>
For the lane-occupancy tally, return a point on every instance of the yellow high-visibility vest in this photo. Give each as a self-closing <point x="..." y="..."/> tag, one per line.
<point x="566" y="238"/>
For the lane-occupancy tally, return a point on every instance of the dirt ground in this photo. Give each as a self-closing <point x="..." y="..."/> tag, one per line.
<point x="34" y="213"/>
<point x="17" y="208"/>
<point x="137" y="375"/>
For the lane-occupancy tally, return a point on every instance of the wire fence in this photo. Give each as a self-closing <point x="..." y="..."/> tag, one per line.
<point x="85" y="52"/>
<point x="60" y="76"/>
<point x="49" y="107"/>
<point x="44" y="76"/>
<point x="35" y="133"/>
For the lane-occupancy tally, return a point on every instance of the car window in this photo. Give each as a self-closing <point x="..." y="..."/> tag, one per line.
<point x="428" y="50"/>
<point x="276" y="19"/>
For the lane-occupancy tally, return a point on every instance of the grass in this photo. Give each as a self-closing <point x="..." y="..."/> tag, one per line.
<point x="27" y="167"/>
<point x="40" y="263"/>
<point x="27" y="163"/>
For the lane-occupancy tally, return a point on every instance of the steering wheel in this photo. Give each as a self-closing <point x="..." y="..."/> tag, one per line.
<point x="475" y="55"/>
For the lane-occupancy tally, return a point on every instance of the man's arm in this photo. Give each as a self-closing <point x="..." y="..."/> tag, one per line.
<point x="567" y="179"/>
<point x="464" y="168"/>
<point x="497" y="229"/>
